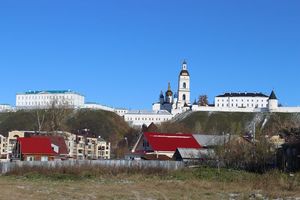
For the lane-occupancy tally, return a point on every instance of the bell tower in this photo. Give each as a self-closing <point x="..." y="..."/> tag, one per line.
<point x="184" y="87"/>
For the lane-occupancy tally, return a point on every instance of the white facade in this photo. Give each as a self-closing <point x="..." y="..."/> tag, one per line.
<point x="45" y="99"/>
<point x="184" y="87"/>
<point x="6" y="108"/>
<point x="120" y="111"/>
<point x="95" y="106"/>
<point x="242" y="100"/>
<point x="139" y="118"/>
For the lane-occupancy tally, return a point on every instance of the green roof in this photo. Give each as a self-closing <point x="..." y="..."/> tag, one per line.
<point x="51" y="92"/>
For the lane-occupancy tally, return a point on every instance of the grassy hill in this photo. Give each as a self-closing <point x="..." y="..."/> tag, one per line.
<point x="234" y="123"/>
<point x="108" y="125"/>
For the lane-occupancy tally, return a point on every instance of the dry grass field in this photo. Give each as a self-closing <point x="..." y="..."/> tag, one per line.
<point x="203" y="183"/>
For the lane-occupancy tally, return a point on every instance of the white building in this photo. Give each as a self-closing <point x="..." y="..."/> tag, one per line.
<point x="139" y="118"/>
<point x="95" y="106"/>
<point x="121" y="111"/>
<point x="6" y="108"/>
<point x="184" y="92"/>
<point x="180" y="101"/>
<point x="242" y="100"/>
<point x="45" y="99"/>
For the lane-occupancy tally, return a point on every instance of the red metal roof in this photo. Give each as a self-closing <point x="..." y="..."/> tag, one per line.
<point x="58" y="141"/>
<point x="35" y="145"/>
<point x="170" y="142"/>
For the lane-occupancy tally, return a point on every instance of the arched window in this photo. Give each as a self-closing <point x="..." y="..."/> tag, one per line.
<point x="183" y="97"/>
<point x="184" y="85"/>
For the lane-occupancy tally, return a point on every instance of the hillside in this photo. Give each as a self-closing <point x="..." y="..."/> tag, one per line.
<point x="233" y="123"/>
<point x="107" y="124"/>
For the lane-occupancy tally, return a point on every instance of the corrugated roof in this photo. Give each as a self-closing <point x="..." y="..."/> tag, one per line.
<point x="35" y="145"/>
<point x="211" y="140"/>
<point x="170" y="142"/>
<point x="188" y="153"/>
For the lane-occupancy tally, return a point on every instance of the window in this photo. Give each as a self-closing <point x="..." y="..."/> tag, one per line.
<point x="30" y="158"/>
<point x="44" y="158"/>
<point x="183" y="97"/>
<point x="184" y="85"/>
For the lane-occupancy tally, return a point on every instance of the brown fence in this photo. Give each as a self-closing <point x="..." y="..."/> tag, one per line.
<point x="143" y="164"/>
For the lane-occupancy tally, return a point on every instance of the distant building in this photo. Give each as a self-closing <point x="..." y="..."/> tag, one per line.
<point x="188" y="146"/>
<point x="3" y="144"/>
<point x="80" y="146"/>
<point x="120" y="111"/>
<point x="6" y="108"/>
<point x="164" y="143"/>
<point x="87" y="146"/>
<point x="242" y="100"/>
<point x="140" y="118"/>
<point x="96" y="106"/>
<point x="180" y="101"/>
<point x="47" y="98"/>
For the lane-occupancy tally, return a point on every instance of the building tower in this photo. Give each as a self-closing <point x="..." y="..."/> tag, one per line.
<point x="169" y="94"/>
<point x="161" y="98"/>
<point x="273" y="101"/>
<point x="183" y="87"/>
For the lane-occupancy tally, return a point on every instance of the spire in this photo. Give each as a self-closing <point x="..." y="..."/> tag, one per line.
<point x="272" y="95"/>
<point x="184" y="65"/>
<point x="184" y="70"/>
<point x="169" y="91"/>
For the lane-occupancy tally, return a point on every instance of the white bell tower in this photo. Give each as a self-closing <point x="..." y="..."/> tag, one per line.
<point x="184" y="87"/>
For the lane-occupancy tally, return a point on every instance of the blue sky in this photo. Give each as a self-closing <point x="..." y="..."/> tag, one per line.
<point x="123" y="53"/>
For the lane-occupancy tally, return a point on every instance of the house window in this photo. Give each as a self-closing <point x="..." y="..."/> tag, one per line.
<point x="184" y="85"/>
<point x="183" y="97"/>
<point x="44" y="158"/>
<point x="30" y="158"/>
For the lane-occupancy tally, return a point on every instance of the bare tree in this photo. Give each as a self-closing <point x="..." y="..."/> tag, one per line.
<point x="52" y="118"/>
<point x="40" y="116"/>
<point x="203" y="100"/>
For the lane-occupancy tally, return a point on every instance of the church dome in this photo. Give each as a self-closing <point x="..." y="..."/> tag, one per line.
<point x="169" y="91"/>
<point x="161" y="95"/>
<point x="184" y="73"/>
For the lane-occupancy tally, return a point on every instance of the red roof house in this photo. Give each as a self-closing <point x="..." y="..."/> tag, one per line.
<point x="34" y="149"/>
<point x="164" y="143"/>
<point x="58" y="145"/>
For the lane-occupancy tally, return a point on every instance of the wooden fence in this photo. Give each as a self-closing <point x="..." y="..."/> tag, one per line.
<point x="141" y="164"/>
